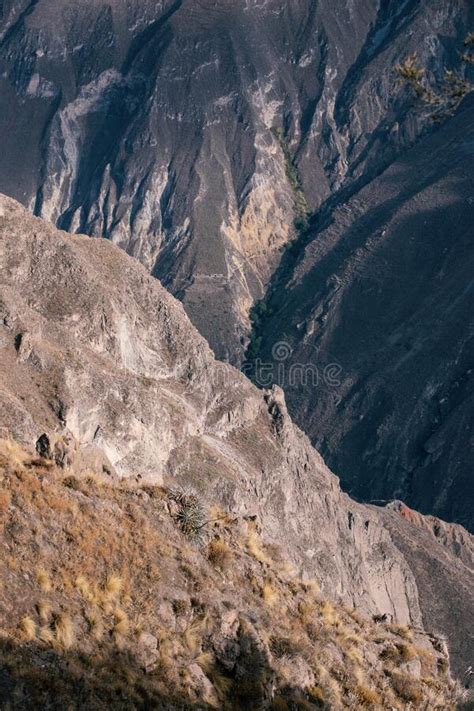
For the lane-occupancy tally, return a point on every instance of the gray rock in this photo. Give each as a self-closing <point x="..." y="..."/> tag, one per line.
<point x="128" y="374"/>
<point x="390" y="411"/>
<point x="147" y="653"/>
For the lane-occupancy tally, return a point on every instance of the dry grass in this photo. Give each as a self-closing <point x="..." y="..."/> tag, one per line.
<point x="353" y="655"/>
<point x="399" y="653"/>
<point x="64" y="631"/>
<point x="221" y="683"/>
<point x="219" y="553"/>
<point x="407" y="688"/>
<point x="96" y="625"/>
<point x="329" y="614"/>
<point x="368" y="696"/>
<point x="95" y="621"/>
<point x="28" y="627"/>
<point x="269" y="593"/>
<point x="84" y="588"/>
<point x="43" y="580"/>
<point x="44" y="611"/>
<point x="13" y="455"/>
<point x="45" y="635"/>
<point x="122" y="624"/>
<point x="402" y="631"/>
<point x="256" y="549"/>
<point x="113" y="586"/>
<point x="194" y="633"/>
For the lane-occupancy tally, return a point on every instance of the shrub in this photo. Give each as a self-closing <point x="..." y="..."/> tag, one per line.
<point x="269" y="593"/>
<point x="448" y="93"/>
<point x="399" y="653"/>
<point x="180" y="607"/>
<point x="284" y="646"/>
<point x="190" y="515"/>
<point x="368" y="696"/>
<point x="44" y="610"/>
<point x="409" y="69"/>
<point x="96" y="627"/>
<point x="122" y="625"/>
<point x="194" y="633"/>
<point x="113" y="586"/>
<point x="28" y="627"/>
<point x="407" y="688"/>
<point x="469" y="41"/>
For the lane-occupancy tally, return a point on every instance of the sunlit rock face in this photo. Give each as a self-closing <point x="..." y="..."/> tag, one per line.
<point x="95" y="350"/>
<point x="153" y="124"/>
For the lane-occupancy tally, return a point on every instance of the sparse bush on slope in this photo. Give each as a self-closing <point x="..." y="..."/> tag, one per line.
<point x="441" y="97"/>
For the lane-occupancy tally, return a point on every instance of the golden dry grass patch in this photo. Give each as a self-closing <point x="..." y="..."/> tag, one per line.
<point x="64" y="631"/>
<point x="43" y="579"/>
<point x="219" y="553"/>
<point x="28" y="627"/>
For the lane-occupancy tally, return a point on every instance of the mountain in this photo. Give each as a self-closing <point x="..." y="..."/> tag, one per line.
<point x="99" y="357"/>
<point x="195" y="133"/>
<point x="299" y="176"/>
<point x="382" y="292"/>
<point x="257" y="151"/>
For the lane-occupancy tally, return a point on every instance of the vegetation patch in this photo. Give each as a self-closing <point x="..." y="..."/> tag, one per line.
<point x="441" y="97"/>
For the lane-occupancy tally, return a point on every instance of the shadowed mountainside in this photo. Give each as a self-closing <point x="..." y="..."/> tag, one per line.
<point x="383" y="289"/>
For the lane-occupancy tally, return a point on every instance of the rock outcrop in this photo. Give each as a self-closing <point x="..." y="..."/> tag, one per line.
<point x="94" y="346"/>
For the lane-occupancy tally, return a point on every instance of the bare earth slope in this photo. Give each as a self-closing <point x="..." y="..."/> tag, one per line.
<point x="90" y="343"/>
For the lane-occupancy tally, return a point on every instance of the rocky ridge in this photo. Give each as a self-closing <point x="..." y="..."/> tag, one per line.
<point x="93" y="346"/>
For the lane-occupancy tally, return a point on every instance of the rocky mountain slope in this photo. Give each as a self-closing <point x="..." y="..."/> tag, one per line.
<point x="383" y="291"/>
<point x="98" y="352"/>
<point x="193" y="133"/>
<point x="106" y="603"/>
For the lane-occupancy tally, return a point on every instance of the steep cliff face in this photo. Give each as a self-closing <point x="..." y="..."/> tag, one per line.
<point x="91" y="344"/>
<point x="383" y="290"/>
<point x="193" y="133"/>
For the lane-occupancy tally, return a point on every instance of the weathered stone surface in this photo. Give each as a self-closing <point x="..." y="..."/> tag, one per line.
<point x="148" y="651"/>
<point x="121" y="367"/>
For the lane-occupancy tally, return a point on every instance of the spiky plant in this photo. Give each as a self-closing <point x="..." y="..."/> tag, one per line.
<point x="191" y="515"/>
